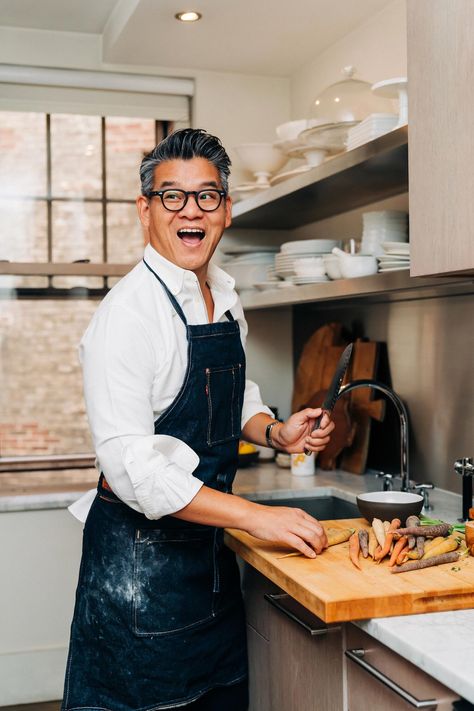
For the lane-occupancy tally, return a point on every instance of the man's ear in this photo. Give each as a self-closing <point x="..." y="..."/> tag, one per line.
<point x="143" y="209"/>
<point x="228" y="211"/>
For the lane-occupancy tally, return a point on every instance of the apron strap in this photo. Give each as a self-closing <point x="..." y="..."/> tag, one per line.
<point x="177" y="307"/>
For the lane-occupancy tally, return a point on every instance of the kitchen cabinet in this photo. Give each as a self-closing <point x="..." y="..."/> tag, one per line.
<point x="292" y="668"/>
<point x="294" y="659"/>
<point x="441" y="148"/>
<point x="365" y="690"/>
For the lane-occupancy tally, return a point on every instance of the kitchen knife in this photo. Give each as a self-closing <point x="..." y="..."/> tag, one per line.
<point x="333" y="391"/>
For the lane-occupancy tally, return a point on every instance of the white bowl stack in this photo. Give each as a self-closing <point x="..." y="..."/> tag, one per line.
<point x="249" y="265"/>
<point x="299" y="254"/>
<point x="372" y="127"/>
<point x="383" y="226"/>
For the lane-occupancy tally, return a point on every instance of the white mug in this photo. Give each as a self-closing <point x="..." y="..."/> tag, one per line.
<point x="302" y="464"/>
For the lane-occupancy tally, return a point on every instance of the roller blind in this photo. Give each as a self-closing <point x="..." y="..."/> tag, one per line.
<point x="96" y="93"/>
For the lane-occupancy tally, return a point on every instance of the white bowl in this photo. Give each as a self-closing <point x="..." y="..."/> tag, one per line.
<point x="261" y="158"/>
<point x="331" y="265"/>
<point x="357" y="265"/>
<point x="246" y="275"/>
<point x="291" y="129"/>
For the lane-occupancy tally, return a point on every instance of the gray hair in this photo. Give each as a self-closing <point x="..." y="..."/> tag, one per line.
<point x="185" y="144"/>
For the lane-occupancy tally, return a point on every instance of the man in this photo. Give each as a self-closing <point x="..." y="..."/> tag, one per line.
<point x="159" y="620"/>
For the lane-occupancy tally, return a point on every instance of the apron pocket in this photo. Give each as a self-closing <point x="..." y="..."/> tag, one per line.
<point x="223" y="402"/>
<point x="173" y="580"/>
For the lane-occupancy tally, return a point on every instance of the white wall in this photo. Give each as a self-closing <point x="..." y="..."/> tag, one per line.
<point x="377" y="49"/>
<point x="39" y="564"/>
<point x="237" y="107"/>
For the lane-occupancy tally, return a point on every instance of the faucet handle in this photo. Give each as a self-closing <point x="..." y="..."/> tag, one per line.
<point x="464" y="466"/>
<point x="424" y="490"/>
<point x="387" y="480"/>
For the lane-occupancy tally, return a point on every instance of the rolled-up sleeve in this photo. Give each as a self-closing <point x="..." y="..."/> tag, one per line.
<point x="151" y="473"/>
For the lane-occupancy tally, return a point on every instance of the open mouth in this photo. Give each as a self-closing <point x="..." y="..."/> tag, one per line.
<point x="192" y="236"/>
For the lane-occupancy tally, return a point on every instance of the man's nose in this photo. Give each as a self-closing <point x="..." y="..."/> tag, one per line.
<point x="191" y="209"/>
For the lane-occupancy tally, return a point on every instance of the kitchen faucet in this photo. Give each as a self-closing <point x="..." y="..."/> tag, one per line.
<point x="406" y="485"/>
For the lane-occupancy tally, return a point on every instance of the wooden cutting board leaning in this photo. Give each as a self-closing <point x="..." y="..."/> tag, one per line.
<point x="334" y="590"/>
<point x="353" y="417"/>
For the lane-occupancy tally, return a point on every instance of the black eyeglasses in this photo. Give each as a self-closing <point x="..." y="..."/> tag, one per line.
<point x="175" y="200"/>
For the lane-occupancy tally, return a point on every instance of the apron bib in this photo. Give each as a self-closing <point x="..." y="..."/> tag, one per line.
<point x="159" y="618"/>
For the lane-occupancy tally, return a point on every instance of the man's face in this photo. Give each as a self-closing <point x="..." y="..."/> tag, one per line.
<point x="167" y="231"/>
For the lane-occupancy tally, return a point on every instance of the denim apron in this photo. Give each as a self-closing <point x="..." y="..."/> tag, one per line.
<point x="158" y="618"/>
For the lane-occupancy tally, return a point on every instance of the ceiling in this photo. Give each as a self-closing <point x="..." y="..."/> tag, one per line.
<point x="267" y="37"/>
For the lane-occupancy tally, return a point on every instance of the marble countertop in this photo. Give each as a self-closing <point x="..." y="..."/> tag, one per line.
<point x="441" y="643"/>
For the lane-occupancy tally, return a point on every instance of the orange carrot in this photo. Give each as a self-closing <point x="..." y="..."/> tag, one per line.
<point x="354" y="548"/>
<point x="403" y="557"/>
<point x="397" y="549"/>
<point x="396" y="523"/>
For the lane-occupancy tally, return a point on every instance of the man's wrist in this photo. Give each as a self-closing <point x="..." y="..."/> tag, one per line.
<point x="272" y="435"/>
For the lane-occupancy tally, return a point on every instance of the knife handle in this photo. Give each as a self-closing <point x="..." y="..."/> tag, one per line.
<point x="317" y="422"/>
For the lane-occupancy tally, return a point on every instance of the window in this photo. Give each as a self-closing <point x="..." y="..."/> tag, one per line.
<point x="68" y="184"/>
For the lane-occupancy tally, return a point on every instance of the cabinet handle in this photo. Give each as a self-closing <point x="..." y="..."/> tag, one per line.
<point x="357" y="656"/>
<point x="286" y="604"/>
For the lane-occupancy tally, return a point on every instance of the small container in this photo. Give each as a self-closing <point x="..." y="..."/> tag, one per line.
<point x="302" y="464"/>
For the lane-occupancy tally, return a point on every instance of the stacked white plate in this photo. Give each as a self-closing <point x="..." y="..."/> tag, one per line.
<point x="372" y="127"/>
<point x="308" y="279"/>
<point x="383" y="226"/>
<point x="284" y="260"/>
<point x="396" y="257"/>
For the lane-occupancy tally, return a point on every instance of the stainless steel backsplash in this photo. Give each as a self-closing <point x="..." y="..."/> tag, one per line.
<point x="430" y="354"/>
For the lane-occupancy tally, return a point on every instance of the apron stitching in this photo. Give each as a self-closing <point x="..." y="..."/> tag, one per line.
<point x="232" y="404"/>
<point x="163" y="417"/>
<point x="209" y="404"/>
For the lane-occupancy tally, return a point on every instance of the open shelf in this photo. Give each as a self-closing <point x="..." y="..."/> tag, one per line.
<point x="374" y="171"/>
<point x="381" y="287"/>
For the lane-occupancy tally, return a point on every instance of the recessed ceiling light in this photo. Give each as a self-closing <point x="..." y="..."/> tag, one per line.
<point x="189" y="16"/>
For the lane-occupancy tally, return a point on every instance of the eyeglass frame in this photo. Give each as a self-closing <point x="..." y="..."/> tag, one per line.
<point x="187" y="193"/>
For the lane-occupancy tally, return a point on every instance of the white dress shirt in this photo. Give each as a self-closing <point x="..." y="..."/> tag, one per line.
<point x="134" y="357"/>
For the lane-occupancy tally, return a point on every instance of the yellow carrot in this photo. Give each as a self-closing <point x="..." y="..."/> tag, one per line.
<point x="396" y="523"/>
<point x="446" y="546"/>
<point x="379" y="531"/>
<point x="372" y="542"/>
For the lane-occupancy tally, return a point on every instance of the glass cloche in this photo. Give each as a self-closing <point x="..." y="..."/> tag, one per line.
<point x="339" y="107"/>
<point x="349" y="100"/>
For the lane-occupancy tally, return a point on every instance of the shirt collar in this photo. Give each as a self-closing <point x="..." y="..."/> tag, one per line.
<point x="174" y="276"/>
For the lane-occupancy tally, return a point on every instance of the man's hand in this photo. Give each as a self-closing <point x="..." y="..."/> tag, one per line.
<point x="295" y="435"/>
<point x="289" y="527"/>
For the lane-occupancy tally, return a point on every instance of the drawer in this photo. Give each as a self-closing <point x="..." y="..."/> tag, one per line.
<point x="366" y="691"/>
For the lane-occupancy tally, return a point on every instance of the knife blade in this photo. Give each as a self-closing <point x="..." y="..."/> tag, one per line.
<point x="333" y="390"/>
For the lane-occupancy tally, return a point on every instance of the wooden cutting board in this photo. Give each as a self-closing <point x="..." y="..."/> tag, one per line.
<point x="309" y="373"/>
<point x="334" y="590"/>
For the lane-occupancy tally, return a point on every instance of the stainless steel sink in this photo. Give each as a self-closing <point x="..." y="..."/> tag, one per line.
<point x="321" y="507"/>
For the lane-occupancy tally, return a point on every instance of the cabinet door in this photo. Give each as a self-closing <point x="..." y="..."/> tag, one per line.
<point x="441" y="139"/>
<point x="305" y="669"/>
<point x="259" y="671"/>
<point x="365" y="691"/>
